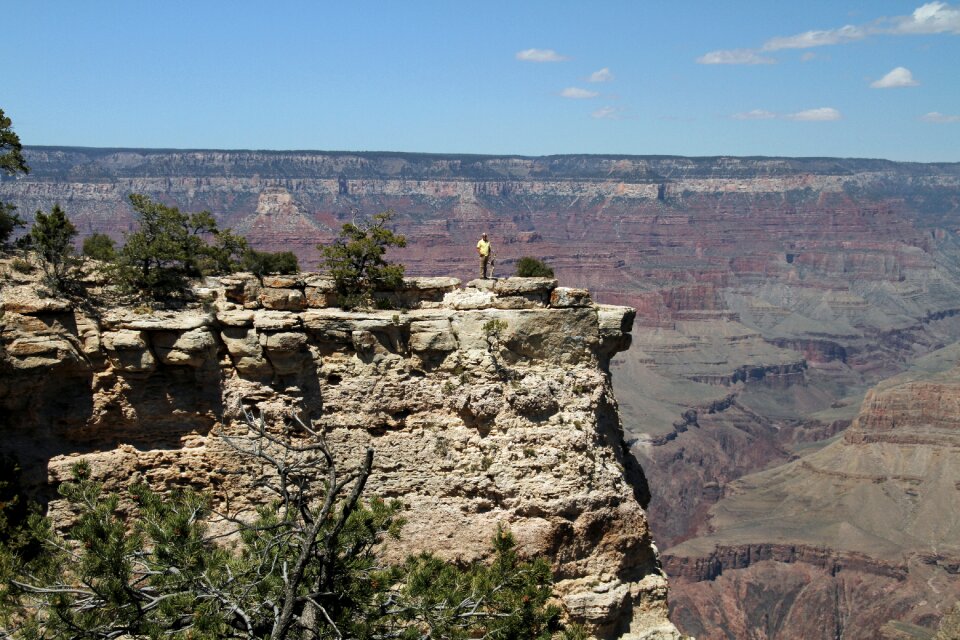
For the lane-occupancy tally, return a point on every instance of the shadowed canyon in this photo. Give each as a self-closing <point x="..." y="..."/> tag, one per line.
<point x="791" y="391"/>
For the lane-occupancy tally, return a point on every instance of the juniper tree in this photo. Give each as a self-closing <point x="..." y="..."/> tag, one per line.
<point x="100" y="246"/>
<point x="11" y="163"/>
<point x="355" y="261"/>
<point x="51" y="236"/>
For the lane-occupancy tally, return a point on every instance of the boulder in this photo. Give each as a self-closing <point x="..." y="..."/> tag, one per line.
<point x="283" y="299"/>
<point x="191" y="348"/>
<point x="563" y="297"/>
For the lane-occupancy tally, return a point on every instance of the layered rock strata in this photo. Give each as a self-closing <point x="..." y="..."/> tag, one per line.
<point x="486" y="406"/>
<point x="868" y="521"/>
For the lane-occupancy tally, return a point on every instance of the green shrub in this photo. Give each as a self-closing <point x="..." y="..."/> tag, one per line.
<point x="356" y="264"/>
<point x="262" y="263"/>
<point x="528" y="267"/>
<point x="21" y="265"/>
<point x="100" y="246"/>
<point x="51" y="236"/>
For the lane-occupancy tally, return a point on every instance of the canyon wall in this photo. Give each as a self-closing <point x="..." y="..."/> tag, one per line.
<point x="486" y="406"/>
<point x="771" y="293"/>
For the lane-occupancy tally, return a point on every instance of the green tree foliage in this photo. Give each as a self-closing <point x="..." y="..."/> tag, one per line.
<point x="51" y="236"/>
<point x="100" y="246"/>
<point x="356" y="261"/>
<point x="170" y="247"/>
<point x="11" y="163"/>
<point x="262" y="263"/>
<point x="146" y="565"/>
<point x="528" y="267"/>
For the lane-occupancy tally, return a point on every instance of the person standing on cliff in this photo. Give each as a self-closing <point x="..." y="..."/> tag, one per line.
<point x="483" y="248"/>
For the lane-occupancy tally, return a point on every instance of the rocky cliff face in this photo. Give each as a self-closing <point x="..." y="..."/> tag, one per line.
<point x="486" y="406"/>
<point x="863" y="531"/>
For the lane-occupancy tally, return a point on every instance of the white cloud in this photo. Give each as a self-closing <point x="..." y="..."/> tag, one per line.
<point x="899" y="77"/>
<point x="933" y="17"/>
<point x="607" y="113"/>
<point x="808" y="56"/>
<point x="823" y="114"/>
<point x="939" y="118"/>
<point x="603" y="75"/>
<point x="809" y="39"/>
<point x="540" y="55"/>
<point x="756" y="114"/>
<point x="734" y="56"/>
<point x="577" y="93"/>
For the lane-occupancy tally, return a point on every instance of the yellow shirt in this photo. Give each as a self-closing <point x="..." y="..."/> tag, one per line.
<point x="483" y="247"/>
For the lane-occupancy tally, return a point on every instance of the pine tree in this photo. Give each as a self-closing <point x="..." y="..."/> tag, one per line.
<point x="356" y="261"/>
<point x="51" y="236"/>
<point x="11" y="163"/>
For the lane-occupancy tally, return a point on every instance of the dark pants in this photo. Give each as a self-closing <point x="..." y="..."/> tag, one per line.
<point x="483" y="265"/>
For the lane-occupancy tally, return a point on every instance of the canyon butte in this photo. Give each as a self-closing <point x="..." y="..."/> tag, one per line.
<point x="791" y="387"/>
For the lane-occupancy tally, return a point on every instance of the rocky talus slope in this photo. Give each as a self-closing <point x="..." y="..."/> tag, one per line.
<point x="865" y="531"/>
<point x="490" y="405"/>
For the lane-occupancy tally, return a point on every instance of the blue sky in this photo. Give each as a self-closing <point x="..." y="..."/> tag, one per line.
<point x="859" y="78"/>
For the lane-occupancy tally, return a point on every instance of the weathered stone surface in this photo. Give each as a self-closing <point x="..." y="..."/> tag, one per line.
<point x="243" y="345"/>
<point x="283" y="299"/>
<point x="469" y="299"/>
<point x="282" y="282"/>
<point x="128" y="349"/>
<point x="191" y="348"/>
<point x="235" y="317"/>
<point x="276" y="320"/>
<point x="570" y="297"/>
<point x="157" y="320"/>
<point x="27" y="300"/>
<point x="478" y="417"/>
<point x="540" y="287"/>
<point x="320" y="297"/>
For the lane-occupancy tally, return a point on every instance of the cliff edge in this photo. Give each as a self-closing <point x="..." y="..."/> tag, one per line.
<point x="489" y="405"/>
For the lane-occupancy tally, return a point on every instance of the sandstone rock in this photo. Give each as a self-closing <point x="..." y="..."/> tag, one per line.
<point x="271" y="320"/>
<point x="235" y="318"/>
<point x="128" y="350"/>
<point x="484" y="284"/>
<point x="157" y="320"/>
<point x="481" y="402"/>
<point x="283" y="299"/>
<point x="533" y="396"/>
<point x="242" y="288"/>
<point x="540" y="287"/>
<point x="432" y="336"/>
<point x="570" y="297"/>
<point x="191" y="348"/>
<point x="469" y="299"/>
<point x="243" y="345"/>
<point x="320" y="297"/>
<point x="27" y="300"/>
<point x="282" y="282"/>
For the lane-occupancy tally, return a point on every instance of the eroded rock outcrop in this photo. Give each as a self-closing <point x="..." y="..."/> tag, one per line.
<point x="486" y="406"/>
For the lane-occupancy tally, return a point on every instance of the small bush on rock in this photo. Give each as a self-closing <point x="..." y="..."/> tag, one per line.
<point x="355" y="261"/>
<point x="262" y="263"/>
<point x="528" y="267"/>
<point x="100" y="246"/>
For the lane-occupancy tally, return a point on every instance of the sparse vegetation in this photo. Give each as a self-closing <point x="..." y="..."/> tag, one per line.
<point x="145" y="565"/>
<point x="355" y="261"/>
<point x="261" y="263"/>
<point x="100" y="246"/>
<point x="11" y="163"/>
<point x="528" y="267"/>
<point x="51" y="236"/>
